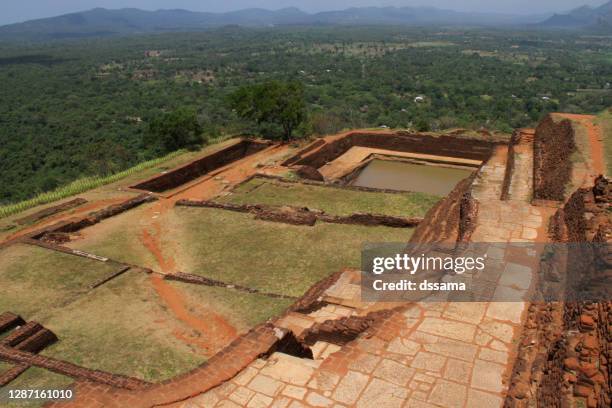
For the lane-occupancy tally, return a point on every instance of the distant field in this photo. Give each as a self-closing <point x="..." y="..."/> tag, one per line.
<point x="94" y="104"/>
<point x="235" y="248"/>
<point x="368" y="49"/>
<point x="331" y="200"/>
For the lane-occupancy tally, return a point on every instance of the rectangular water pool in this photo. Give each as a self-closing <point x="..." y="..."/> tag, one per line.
<point x="403" y="176"/>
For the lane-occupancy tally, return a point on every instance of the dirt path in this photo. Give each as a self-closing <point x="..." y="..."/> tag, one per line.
<point x="209" y="331"/>
<point x="151" y="236"/>
<point x="213" y="332"/>
<point x="595" y="140"/>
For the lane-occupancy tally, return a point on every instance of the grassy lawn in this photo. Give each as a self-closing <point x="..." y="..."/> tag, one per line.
<point x="119" y="238"/>
<point x="243" y="310"/>
<point x="124" y="328"/>
<point x="274" y="257"/>
<point x="37" y="378"/>
<point x="331" y="200"/>
<point x="34" y="282"/>
<point x="604" y="120"/>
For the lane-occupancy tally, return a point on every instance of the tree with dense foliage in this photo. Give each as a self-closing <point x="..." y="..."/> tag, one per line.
<point x="176" y="130"/>
<point x="83" y="107"/>
<point x="272" y="103"/>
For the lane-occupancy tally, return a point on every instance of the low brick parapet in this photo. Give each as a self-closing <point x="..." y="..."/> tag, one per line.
<point x="9" y="321"/>
<point x="68" y="369"/>
<point x="223" y="366"/>
<point x="12" y="373"/>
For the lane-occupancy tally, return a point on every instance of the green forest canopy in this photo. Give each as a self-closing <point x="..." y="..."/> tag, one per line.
<point x="76" y="108"/>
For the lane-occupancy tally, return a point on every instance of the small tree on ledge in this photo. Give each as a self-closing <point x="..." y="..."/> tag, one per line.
<point x="176" y="130"/>
<point x="272" y="103"/>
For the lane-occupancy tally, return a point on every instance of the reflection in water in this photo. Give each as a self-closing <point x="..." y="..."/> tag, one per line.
<point x="397" y="175"/>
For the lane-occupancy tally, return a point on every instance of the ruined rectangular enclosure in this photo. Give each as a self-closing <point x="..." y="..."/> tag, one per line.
<point x="201" y="167"/>
<point x="319" y="153"/>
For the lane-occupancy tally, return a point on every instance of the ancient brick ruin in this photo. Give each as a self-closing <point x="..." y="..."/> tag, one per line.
<point x="333" y="349"/>
<point x="305" y="216"/>
<point x="201" y="167"/>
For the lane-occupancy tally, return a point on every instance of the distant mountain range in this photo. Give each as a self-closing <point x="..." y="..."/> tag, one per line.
<point x="104" y="22"/>
<point x="585" y="17"/>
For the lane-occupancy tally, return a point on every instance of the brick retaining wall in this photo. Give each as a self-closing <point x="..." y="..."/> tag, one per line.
<point x="444" y="145"/>
<point x="305" y="216"/>
<point x="68" y="369"/>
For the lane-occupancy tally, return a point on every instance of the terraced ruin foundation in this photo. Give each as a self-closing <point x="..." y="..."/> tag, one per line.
<point x="229" y="257"/>
<point x="320" y="153"/>
<point x="401" y="161"/>
<point x="178" y="177"/>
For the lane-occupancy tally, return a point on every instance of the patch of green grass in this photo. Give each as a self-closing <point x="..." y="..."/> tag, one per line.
<point x="119" y="238"/>
<point x="244" y="310"/>
<point x="604" y="120"/>
<point x="274" y="257"/>
<point x="331" y="200"/>
<point x="35" y="281"/>
<point x="38" y="378"/>
<point x="122" y="327"/>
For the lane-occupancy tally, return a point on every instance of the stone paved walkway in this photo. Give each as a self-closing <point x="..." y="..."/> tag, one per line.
<point x="426" y="354"/>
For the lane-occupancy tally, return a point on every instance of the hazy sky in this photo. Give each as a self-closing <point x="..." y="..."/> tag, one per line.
<point x="14" y="11"/>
